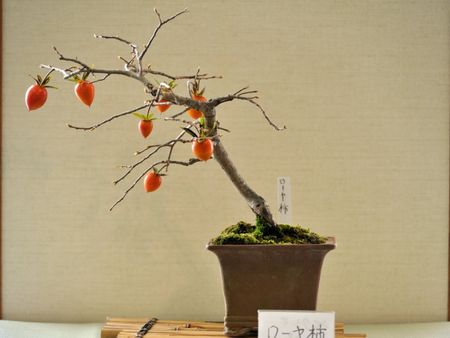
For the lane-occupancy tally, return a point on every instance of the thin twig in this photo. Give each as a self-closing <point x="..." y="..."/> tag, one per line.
<point x="62" y="71"/>
<point x="249" y="92"/>
<point x="241" y="90"/>
<point x="75" y="73"/>
<point x="190" y="162"/>
<point x="179" y="114"/>
<point x="224" y="129"/>
<point x="241" y="94"/>
<point x="125" y="60"/>
<point x="134" y="48"/>
<point x="173" y="119"/>
<point x="169" y="144"/>
<point x="155" y="99"/>
<point x="128" y="63"/>
<point x="185" y="121"/>
<point x="265" y="114"/>
<point x="106" y="37"/>
<point x="169" y="156"/>
<point x="139" y="152"/>
<point x="159" y="16"/>
<point x="95" y="126"/>
<point x="181" y="77"/>
<point x="127" y="73"/>
<point x="63" y="58"/>
<point x="102" y="79"/>
<point x="161" y="23"/>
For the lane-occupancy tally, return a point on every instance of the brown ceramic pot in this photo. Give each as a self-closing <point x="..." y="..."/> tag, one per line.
<point x="271" y="277"/>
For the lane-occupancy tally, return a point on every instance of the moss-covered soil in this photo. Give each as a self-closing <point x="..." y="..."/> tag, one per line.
<point x="246" y="233"/>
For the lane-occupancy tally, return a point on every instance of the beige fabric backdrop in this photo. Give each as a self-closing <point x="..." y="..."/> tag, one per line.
<point x="363" y="87"/>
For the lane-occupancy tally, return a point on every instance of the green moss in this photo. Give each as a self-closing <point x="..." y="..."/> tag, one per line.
<point x="262" y="233"/>
<point x="264" y="230"/>
<point x="240" y="228"/>
<point x="235" y="239"/>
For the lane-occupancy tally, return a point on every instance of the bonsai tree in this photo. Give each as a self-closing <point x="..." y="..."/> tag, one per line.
<point x="200" y="128"/>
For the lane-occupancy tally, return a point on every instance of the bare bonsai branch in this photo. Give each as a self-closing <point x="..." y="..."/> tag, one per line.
<point x="64" y="72"/>
<point x="161" y="24"/>
<point x="106" y="37"/>
<point x="86" y="68"/>
<point x="177" y="139"/>
<point x="168" y="95"/>
<point x="148" y="105"/>
<point x="179" y="114"/>
<point x="264" y="113"/>
<point x="181" y="77"/>
<point x="184" y="101"/>
<point x="102" y="79"/>
<point x="156" y="148"/>
<point x="186" y="121"/>
<point x="186" y="164"/>
<point x="95" y="126"/>
<point x="173" y="119"/>
<point x="127" y="63"/>
<point x="243" y="91"/>
<point x="242" y="94"/>
<point x="164" y="95"/>
<point x="134" y="49"/>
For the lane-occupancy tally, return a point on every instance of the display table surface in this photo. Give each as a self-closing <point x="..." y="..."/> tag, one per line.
<point x="130" y="327"/>
<point x="17" y="329"/>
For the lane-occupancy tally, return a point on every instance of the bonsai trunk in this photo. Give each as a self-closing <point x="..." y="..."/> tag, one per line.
<point x="255" y="201"/>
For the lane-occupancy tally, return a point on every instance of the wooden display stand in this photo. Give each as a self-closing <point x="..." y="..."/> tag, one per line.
<point x="128" y="327"/>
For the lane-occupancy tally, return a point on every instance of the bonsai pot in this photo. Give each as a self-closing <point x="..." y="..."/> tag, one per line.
<point x="275" y="277"/>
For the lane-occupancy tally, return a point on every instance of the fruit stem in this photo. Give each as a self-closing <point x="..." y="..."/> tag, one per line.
<point x="48" y="74"/>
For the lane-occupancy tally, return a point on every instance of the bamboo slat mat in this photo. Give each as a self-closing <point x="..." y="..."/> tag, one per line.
<point x="128" y="327"/>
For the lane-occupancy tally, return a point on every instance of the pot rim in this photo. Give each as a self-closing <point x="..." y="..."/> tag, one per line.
<point x="330" y="243"/>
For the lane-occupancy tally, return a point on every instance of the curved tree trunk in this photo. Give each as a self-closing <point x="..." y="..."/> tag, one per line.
<point x="255" y="201"/>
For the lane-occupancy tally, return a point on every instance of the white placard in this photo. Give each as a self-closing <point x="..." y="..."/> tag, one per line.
<point x="284" y="200"/>
<point x="295" y="324"/>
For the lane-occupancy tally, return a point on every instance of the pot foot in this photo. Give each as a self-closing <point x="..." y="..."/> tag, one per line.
<point x="241" y="326"/>
<point x="241" y="332"/>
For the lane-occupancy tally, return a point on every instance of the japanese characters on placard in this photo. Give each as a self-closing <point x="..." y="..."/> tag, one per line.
<point x="284" y="200"/>
<point x="295" y="324"/>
